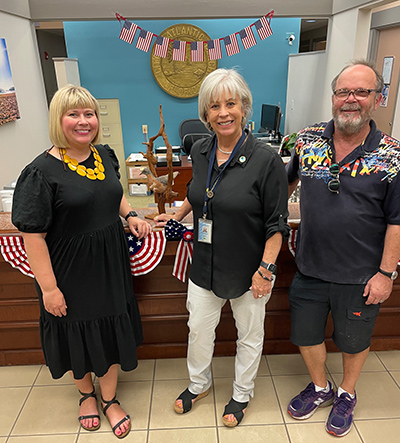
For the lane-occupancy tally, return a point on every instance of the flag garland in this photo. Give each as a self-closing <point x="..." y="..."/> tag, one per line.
<point x="262" y="26"/>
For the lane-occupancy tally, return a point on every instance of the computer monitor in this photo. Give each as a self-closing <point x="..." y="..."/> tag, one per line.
<point x="270" y="118"/>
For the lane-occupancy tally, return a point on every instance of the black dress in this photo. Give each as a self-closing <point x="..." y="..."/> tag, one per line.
<point x="89" y="255"/>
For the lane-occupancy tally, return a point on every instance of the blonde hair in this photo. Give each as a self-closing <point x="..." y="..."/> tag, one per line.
<point x="219" y="82"/>
<point x="69" y="97"/>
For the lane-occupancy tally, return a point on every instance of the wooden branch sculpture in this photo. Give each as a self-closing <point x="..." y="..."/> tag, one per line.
<point x="163" y="190"/>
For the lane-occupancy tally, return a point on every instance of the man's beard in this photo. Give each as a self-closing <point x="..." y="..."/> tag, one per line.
<point x="351" y="125"/>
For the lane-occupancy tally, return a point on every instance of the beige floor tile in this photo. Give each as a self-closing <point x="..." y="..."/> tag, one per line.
<point x="224" y="367"/>
<point x="202" y="435"/>
<point x="373" y="431"/>
<point x="396" y="376"/>
<point x="107" y="437"/>
<point x="391" y="359"/>
<point x="263" y="408"/>
<point x="3" y="439"/>
<point x="45" y="378"/>
<point x="305" y="432"/>
<point x="171" y="369"/>
<point x="335" y="365"/>
<point x="253" y="434"/>
<point x="289" y="386"/>
<point x="12" y="400"/>
<point x="13" y="376"/>
<point x="70" y="438"/>
<point x="163" y="415"/>
<point x="49" y="410"/>
<point x="143" y="372"/>
<point x="378" y="396"/>
<point x="286" y="364"/>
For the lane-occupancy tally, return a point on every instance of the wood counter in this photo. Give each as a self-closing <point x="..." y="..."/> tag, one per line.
<point x="162" y="300"/>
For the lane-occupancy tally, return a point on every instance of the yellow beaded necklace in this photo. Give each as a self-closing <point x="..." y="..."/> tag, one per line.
<point x="97" y="173"/>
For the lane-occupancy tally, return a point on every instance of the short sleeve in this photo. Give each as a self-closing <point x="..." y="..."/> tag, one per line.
<point x="114" y="159"/>
<point x="32" y="209"/>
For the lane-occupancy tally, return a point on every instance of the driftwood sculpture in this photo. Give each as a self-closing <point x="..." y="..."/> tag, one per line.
<point x="162" y="188"/>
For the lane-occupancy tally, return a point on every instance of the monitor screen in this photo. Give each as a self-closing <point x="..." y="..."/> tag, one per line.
<point x="270" y="118"/>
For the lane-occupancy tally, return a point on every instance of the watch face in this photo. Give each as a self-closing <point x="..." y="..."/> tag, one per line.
<point x="394" y="275"/>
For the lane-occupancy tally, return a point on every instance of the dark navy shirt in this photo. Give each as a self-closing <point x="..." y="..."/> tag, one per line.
<point x="341" y="236"/>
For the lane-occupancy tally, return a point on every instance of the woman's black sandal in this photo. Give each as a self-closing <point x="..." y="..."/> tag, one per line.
<point x="107" y="404"/>
<point x="187" y="400"/>
<point x="84" y="417"/>
<point x="237" y="409"/>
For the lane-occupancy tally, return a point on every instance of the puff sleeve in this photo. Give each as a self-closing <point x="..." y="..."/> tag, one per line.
<point x="114" y="160"/>
<point x="32" y="209"/>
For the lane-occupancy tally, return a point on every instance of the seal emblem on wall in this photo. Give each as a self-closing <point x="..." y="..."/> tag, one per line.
<point x="182" y="79"/>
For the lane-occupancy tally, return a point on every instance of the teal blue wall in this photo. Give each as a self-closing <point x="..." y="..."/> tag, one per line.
<point x="111" y="68"/>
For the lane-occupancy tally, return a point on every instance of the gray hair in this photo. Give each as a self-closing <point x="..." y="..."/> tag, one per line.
<point x="379" y="79"/>
<point x="219" y="82"/>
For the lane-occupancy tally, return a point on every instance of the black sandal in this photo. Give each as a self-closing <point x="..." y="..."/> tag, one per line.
<point x="237" y="409"/>
<point x="107" y="404"/>
<point x="84" y="417"/>
<point x="187" y="400"/>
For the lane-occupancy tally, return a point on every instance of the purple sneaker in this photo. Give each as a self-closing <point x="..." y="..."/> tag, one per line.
<point x="341" y="417"/>
<point x="306" y="403"/>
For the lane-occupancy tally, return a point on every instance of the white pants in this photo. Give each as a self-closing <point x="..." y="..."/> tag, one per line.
<point x="204" y="314"/>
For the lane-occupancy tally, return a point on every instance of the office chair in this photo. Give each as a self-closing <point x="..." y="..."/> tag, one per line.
<point x="191" y="130"/>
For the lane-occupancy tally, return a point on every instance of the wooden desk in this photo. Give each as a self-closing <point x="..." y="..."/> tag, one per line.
<point x="181" y="181"/>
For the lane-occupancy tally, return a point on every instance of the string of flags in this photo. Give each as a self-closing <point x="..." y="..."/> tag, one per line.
<point x="246" y="35"/>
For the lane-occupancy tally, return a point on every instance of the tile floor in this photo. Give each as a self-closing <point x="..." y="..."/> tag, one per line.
<point x="36" y="409"/>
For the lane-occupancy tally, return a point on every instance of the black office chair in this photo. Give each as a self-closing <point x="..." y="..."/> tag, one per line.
<point x="191" y="130"/>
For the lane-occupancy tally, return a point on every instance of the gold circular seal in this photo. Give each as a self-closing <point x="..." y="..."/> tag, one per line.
<point x="182" y="79"/>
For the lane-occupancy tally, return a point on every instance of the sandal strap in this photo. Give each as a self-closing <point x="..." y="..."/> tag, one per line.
<point x="236" y="408"/>
<point x="86" y="396"/>
<point x="84" y="417"/>
<point x="109" y="403"/>
<point x="127" y="417"/>
<point x="187" y="398"/>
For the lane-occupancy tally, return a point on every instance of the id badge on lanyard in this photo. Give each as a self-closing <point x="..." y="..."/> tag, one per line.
<point x="205" y="230"/>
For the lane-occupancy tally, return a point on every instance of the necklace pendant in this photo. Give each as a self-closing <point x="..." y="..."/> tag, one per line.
<point x="210" y="194"/>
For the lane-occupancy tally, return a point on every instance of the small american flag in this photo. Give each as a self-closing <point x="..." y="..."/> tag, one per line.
<point x="161" y="46"/>
<point x="247" y="37"/>
<point x="231" y="45"/>
<point x="144" y="40"/>
<point x="13" y="251"/>
<point x="128" y="32"/>
<point x="178" y="51"/>
<point x="196" y="51"/>
<point x="146" y="253"/>
<point x="214" y="49"/>
<point x="263" y="28"/>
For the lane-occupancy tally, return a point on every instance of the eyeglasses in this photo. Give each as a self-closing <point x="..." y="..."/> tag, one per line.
<point x="359" y="94"/>
<point x="334" y="183"/>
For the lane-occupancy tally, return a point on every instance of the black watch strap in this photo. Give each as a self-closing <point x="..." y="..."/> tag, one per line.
<point x="269" y="266"/>
<point x="391" y="275"/>
<point x="130" y="214"/>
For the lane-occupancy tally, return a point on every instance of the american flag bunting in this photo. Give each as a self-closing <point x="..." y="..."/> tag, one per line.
<point x="263" y="28"/>
<point x="214" y="49"/>
<point x="231" y="45"/>
<point x="196" y="51"/>
<point x="146" y="253"/>
<point x="13" y="251"/>
<point x="144" y="40"/>
<point x="128" y="32"/>
<point x="178" y="51"/>
<point x="161" y="46"/>
<point x="247" y="37"/>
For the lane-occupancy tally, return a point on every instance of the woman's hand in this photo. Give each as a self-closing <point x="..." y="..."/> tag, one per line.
<point x="161" y="220"/>
<point x="54" y="302"/>
<point x="260" y="287"/>
<point x="139" y="227"/>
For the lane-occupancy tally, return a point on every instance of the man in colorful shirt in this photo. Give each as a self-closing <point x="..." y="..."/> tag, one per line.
<point x="348" y="243"/>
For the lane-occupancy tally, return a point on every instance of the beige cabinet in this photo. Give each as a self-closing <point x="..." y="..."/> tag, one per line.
<point x="110" y="120"/>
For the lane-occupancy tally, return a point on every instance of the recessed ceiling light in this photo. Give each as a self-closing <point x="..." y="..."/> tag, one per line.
<point x="311" y="21"/>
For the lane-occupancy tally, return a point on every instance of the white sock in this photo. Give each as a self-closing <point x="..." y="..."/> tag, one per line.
<point x="342" y="391"/>
<point x="319" y="389"/>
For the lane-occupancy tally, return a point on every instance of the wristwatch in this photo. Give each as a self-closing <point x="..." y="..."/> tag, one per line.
<point x="269" y="266"/>
<point x="130" y="214"/>
<point x="392" y="275"/>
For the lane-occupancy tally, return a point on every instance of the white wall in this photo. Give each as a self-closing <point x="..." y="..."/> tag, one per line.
<point x="23" y="139"/>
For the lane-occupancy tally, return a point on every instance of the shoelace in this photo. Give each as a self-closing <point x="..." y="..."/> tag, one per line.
<point x="308" y="392"/>
<point x="343" y="406"/>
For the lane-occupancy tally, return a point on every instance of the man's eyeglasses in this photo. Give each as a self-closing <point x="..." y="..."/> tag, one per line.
<point x="334" y="183"/>
<point x="359" y="94"/>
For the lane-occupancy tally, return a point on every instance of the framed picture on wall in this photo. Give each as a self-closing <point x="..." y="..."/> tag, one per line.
<point x="8" y="101"/>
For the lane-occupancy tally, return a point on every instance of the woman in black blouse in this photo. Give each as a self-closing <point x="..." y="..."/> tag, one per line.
<point x="67" y="204"/>
<point x="238" y="196"/>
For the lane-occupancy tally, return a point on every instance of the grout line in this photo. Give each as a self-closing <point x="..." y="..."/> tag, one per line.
<point x="151" y="400"/>
<point x="279" y="404"/>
